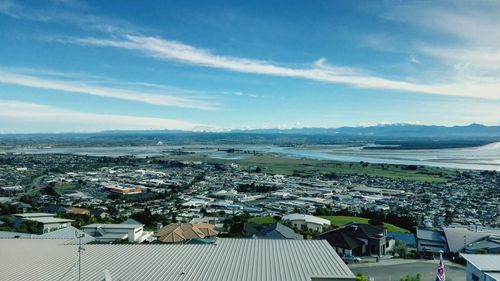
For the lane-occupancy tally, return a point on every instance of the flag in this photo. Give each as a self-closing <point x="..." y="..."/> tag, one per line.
<point x="440" y="276"/>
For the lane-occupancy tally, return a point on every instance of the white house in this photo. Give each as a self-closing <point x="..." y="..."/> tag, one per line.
<point x="305" y="222"/>
<point x="129" y="230"/>
<point x="482" y="267"/>
<point x="45" y="222"/>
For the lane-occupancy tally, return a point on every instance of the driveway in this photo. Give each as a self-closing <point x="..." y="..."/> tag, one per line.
<point x="393" y="270"/>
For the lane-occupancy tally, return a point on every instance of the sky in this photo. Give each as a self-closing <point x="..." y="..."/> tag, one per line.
<point x="85" y="66"/>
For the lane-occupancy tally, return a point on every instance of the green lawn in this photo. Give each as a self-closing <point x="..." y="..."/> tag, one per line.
<point x="262" y="220"/>
<point x="335" y="220"/>
<point x="341" y="220"/>
<point x="63" y="188"/>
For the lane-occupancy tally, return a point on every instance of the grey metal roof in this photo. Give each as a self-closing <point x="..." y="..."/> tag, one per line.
<point x="278" y="231"/>
<point x="430" y="234"/>
<point x="11" y="234"/>
<point x="48" y="220"/>
<point x="228" y="259"/>
<point x="455" y="238"/>
<point x="70" y="233"/>
<point x="484" y="262"/>
<point x="132" y="221"/>
<point x="113" y="225"/>
<point x="494" y="276"/>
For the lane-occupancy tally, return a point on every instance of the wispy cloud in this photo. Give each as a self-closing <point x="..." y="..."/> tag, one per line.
<point x="472" y="71"/>
<point x="17" y="116"/>
<point x="83" y="87"/>
<point x="464" y="37"/>
<point x="67" y="12"/>
<point x="174" y="51"/>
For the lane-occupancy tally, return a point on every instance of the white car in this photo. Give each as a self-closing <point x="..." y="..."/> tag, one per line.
<point x="350" y="259"/>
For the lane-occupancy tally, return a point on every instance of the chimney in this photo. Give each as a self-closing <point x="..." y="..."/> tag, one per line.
<point x="159" y="226"/>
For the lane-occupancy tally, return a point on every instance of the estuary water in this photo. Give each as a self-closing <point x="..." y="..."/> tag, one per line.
<point x="485" y="157"/>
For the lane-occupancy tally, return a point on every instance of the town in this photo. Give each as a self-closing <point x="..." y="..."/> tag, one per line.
<point x="130" y="199"/>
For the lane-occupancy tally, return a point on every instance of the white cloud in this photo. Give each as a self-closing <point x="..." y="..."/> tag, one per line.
<point x="414" y="60"/>
<point x="82" y="87"/>
<point x="174" y="51"/>
<point x="17" y="116"/>
<point x="463" y="37"/>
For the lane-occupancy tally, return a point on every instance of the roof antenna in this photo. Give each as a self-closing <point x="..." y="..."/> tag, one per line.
<point x="80" y="249"/>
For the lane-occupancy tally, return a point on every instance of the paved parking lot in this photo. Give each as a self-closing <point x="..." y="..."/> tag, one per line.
<point x="394" y="270"/>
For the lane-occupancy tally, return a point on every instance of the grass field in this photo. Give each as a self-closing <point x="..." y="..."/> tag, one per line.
<point x="63" y="188"/>
<point x="341" y="220"/>
<point x="335" y="220"/>
<point x="274" y="164"/>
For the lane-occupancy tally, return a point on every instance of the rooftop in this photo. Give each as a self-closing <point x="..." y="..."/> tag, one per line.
<point x="227" y="259"/>
<point x="113" y="225"/>
<point x="484" y="262"/>
<point x="306" y="218"/>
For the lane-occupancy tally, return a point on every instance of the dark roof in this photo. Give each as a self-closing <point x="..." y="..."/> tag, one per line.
<point x="252" y="228"/>
<point x="97" y="212"/>
<point x="278" y="231"/>
<point x="346" y="236"/>
<point x="344" y="241"/>
<point x="367" y="230"/>
<point x="54" y="209"/>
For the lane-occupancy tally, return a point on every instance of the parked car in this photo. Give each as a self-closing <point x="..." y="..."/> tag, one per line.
<point x="350" y="259"/>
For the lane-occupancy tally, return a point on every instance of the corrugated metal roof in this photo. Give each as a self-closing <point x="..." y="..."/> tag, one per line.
<point x="494" y="276"/>
<point x="456" y="236"/>
<point x="70" y="233"/>
<point x="228" y="259"/>
<point x="484" y="262"/>
<point x="306" y="218"/>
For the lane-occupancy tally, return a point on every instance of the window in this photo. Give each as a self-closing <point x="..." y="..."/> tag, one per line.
<point x="474" y="277"/>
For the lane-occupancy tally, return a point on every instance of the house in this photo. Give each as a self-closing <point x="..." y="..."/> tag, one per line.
<point x="131" y="231"/>
<point x="45" y="222"/>
<point x="277" y="231"/>
<point x="431" y="240"/>
<point x="307" y="222"/>
<point x="482" y="267"/>
<point x="70" y="234"/>
<point x="357" y="239"/>
<point x="183" y="232"/>
<point x="78" y="211"/>
<point x="55" y="209"/>
<point x="99" y="213"/>
<point x="226" y="260"/>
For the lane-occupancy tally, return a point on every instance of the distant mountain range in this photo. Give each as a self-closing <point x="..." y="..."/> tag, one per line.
<point x="393" y="130"/>
<point x="393" y="136"/>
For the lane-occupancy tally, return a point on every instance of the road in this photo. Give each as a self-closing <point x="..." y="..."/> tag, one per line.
<point x="393" y="271"/>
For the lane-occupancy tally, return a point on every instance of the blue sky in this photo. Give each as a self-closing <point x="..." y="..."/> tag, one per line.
<point x="68" y="65"/>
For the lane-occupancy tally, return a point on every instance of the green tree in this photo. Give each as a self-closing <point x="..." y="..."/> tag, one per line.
<point x="360" y="277"/>
<point x="29" y="227"/>
<point x="408" y="277"/>
<point x="400" y="249"/>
